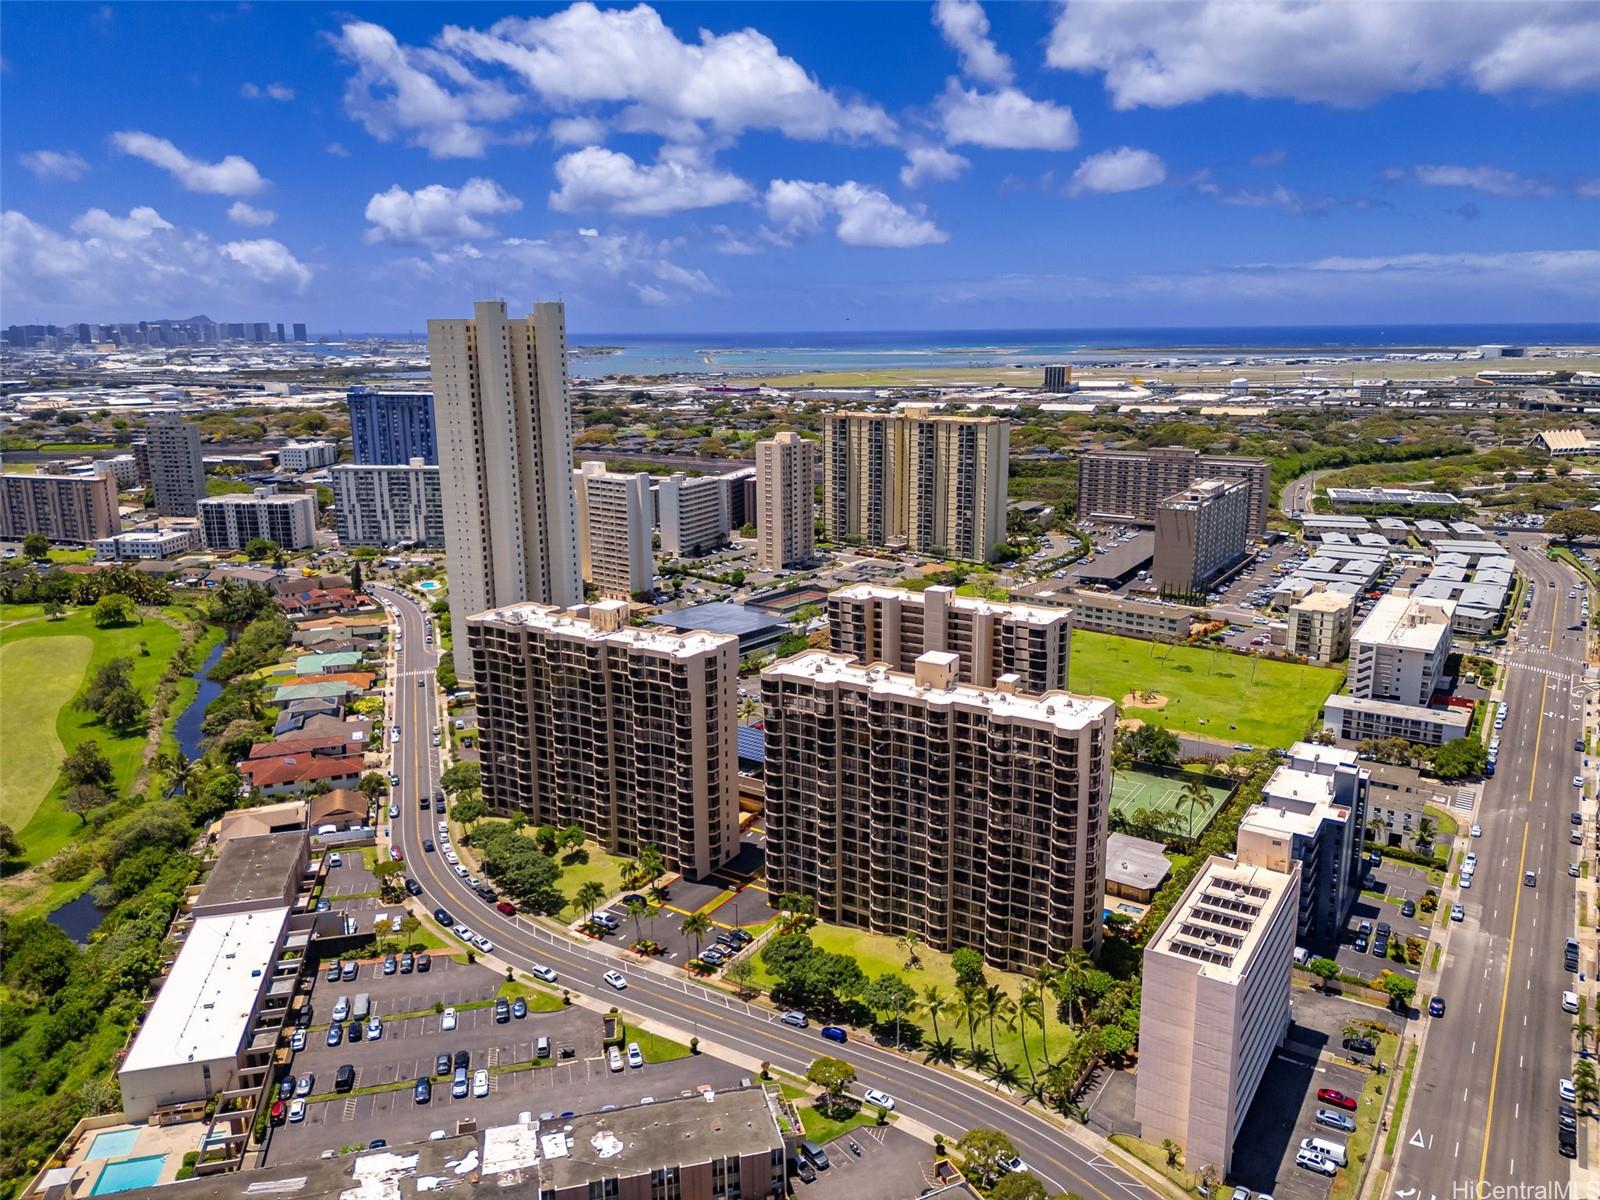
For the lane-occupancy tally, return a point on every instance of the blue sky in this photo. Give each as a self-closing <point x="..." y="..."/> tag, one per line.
<point x="804" y="166"/>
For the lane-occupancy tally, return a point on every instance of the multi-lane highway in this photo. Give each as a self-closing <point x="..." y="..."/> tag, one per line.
<point x="940" y="1099"/>
<point x="1485" y="1099"/>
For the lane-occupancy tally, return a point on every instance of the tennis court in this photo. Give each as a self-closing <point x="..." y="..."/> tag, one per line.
<point x="1133" y="790"/>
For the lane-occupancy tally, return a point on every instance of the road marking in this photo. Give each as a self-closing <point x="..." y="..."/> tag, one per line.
<point x="1416" y="1140"/>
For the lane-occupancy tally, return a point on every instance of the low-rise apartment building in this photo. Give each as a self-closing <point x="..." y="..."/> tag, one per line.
<point x="1107" y="612"/>
<point x="627" y="731"/>
<point x="693" y="513"/>
<point x="307" y="456"/>
<point x="388" y="505"/>
<point x="973" y="816"/>
<point x="147" y="543"/>
<point x="897" y="626"/>
<point x="1128" y="485"/>
<point x="1319" y="626"/>
<point x="1356" y="719"/>
<point x="1214" y="1006"/>
<point x="232" y="522"/>
<point x="65" y="508"/>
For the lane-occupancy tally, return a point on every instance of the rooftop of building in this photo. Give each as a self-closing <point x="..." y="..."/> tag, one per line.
<point x="1063" y="710"/>
<point x="1220" y="919"/>
<point x="1136" y="862"/>
<point x="1063" y="591"/>
<point x="254" y="868"/>
<point x="606" y="621"/>
<point x="639" y="1138"/>
<point x="1393" y="708"/>
<point x="1323" y="600"/>
<point x="1032" y="614"/>
<point x="204" y="1009"/>
<point x="1203" y="491"/>
<point x="1408" y="622"/>
<point x="1310" y="755"/>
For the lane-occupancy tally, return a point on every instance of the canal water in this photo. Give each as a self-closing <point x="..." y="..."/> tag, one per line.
<point x="79" y="918"/>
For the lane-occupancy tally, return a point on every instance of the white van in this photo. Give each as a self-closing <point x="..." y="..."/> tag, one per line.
<point x="1332" y="1151"/>
<point x="1569" y="1002"/>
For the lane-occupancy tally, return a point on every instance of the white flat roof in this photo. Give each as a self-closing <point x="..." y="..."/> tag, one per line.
<point x="641" y="637"/>
<point x="206" y="1005"/>
<point x="1407" y="621"/>
<point x="1220" y="920"/>
<point x="1033" y="614"/>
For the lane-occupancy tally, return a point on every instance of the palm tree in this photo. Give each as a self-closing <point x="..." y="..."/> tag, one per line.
<point x="590" y="893"/>
<point x="1030" y="1007"/>
<point x="980" y="1060"/>
<point x="1045" y="977"/>
<point x="1075" y="968"/>
<point x="1424" y="831"/>
<point x="651" y="864"/>
<point x="936" y="1004"/>
<point x="968" y="1005"/>
<point x="636" y="909"/>
<point x="998" y="1009"/>
<point x="1005" y="1075"/>
<point x="696" y="925"/>
<point x="1585" y="1031"/>
<point x="1195" y="796"/>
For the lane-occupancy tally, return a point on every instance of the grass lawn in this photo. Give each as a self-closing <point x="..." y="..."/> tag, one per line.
<point x="1207" y="691"/>
<point x="653" y="1046"/>
<point x="823" y="1129"/>
<point x="49" y="828"/>
<point x="538" y="999"/>
<point x="595" y="864"/>
<point x="1133" y="790"/>
<point x="878" y="955"/>
<point x="1156" y="1158"/>
<point x="64" y="558"/>
<point x="51" y="669"/>
<point x="1443" y="823"/>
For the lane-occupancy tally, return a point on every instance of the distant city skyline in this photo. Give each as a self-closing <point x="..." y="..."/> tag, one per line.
<point x="746" y="167"/>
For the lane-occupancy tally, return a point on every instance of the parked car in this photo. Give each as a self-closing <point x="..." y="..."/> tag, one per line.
<point x="519" y="1008"/>
<point x="797" y="1019"/>
<point x="480" y="1083"/>
<point x="303" y="1085"/>
<point x="614" y="1059"/>
<point x="1336" y="1120"/>
<point x="502" y="1011"/>
<point x="447" y="1020"/>
<point x="1336" y="1098"/>
<point x="297" y="1111"/>
<point x="635" y="1055"/>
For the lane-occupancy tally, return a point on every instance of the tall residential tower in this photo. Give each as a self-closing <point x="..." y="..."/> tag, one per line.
<point x="505" y="456"/>
<point x="785" y="501"/>
<point x="177" y="470"/>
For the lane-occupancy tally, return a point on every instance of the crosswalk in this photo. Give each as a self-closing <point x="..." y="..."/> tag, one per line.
<point x="1463" y="800"/>
<point x="1554" y="673"/>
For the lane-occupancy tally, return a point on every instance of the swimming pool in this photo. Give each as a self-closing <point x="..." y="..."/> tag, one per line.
<point x="129" y="1174"/>
<point x="428" y="585"/>
<point x="113" y="1143"/>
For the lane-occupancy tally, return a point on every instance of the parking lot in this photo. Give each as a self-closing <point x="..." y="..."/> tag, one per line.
<point x="1284" y="1112"/>
<point x="1397" y="882"/>
<point x="574" y="1077"/>
<point x="892" y="1165"/>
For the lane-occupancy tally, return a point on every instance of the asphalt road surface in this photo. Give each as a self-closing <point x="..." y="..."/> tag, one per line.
<point x="942" y="1100"/>
<point x="1485" y="1097"/>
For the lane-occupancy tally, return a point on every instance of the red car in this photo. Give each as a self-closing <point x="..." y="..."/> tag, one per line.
<point x="396" y="854"/>
<point x="1336" y="1098"/>
<point x="507" y="907"/>
<point x="277" y="1112"/>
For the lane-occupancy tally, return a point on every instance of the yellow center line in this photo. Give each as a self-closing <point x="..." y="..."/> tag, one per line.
<point x="1516" y="909"/>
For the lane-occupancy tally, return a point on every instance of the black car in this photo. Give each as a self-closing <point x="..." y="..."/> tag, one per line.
<point x="488" y="893"/>
<point x="427" y="845"/>
<point x="354" y="1031"/>
<point x="413" y="887"/>
<point x="1383" y="929"/>
<point x="502" y="1011"/>
<point x="441" y="1065"/>
<point x="345" y="1079"/>
<point x="1568" y="1143"/>
<point x="304" y="1019"/>
<point x="422" y="803"/>
<point x="1408" y="909"/>
<point x="423" y="1092"/>
<point x="463" y="1059"/>
<point x="286" y="1087"/>
<point x="408" y="960"/>
<point x="423" y="963"/>
<point x="442" y="915"/>
<point x="1360" y="1045"/>
<point x="438" y="805"/>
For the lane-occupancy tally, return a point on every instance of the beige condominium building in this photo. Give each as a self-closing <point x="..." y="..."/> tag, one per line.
<point x="1108" y="612"/>
<point x="504" y="423"/>
<point x="614" y="531"/>
<point x="1399" y="652"/>
<point x="1214" y="1006"/>
<point x="65" y="508"/>
<point x="232" y="522"/>
<point x="934" y="484"/>
<point x="1128" y="485"/>
<point x="388" y="504"/>
<point x="627" y="731"/>
<point x="177" y="468"/>
<point x="786" y="504"/>
<point x="897" y="626"/>
<point x="972" y="816"/>
<point x="693" y="513"/>
<point x="1201" y="531"/>
<point x="1319" y="626"/>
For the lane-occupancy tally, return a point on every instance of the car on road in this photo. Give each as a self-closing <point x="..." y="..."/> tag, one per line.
<point x="834" y="1033"/>
<point x="1336" y="1098"/>
<point x="1567" y="1116"/>
<point x="447" y="1022"/>
<point x="1530" y="879"/>
<point x="484" y="944"/>
<point x="1577" y="782"/>
<point x="480" y="1083"/>
<point x="635" y="1055"/>
<point x="797" y="1019"/>
<point x="427" y="845"/>
<point x="1574" y="870"/>
<point x="1457" y="913"/>
<point x="1577" y="818"/>
<point x="1013" y="1165"/>
<point x="506" y="907"/>
<point x="297" y="1111"/>
<point x="614" y="1059"/>
<point x="1567" y="1092"/>
<point x="615" y="979"/>
<point x="1569" y="1002"/>
<point x="396" y="854"/>
<point x="538" y="971"/>
<point x="880" y="1099"/>
<point x="1436" y="1007"/>
<point x="1477" y="831"/>
<point x="1336" y="1120"/>
<point x="1466" y="881"/>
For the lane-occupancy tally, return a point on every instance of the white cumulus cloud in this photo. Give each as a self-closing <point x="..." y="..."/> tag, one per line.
<point x="241" y="213"/>
<point x="55" y="164"/>
<point x="965" y="26"/>
<point x="931" y="164"/>
<point x="140" y="261"/>
<point x="1124" y="169"/>
<point x="1004" y="120"/>
<point x="1325" y="51"/>
<point x="233" y="176"/>
<point x="577" y="131"/>
<point x="595" y="178"/>
<point x="863" y="215"/>
<point x="1491" y="181"/>
<point x="437" y="213"/>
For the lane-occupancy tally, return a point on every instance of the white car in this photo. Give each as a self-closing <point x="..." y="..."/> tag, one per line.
<point x="544" y="973"/>
<point x="374" y="1029"/>
<point x="615" y="979"/>
<point x="447" y="1021"/>
<point x="297" y="1110"/>
<point x="484" y="944"/>
<point x="444" y="826"/>
<point x="297" y="1040"/>
<point x="1014" y="1165"/>
<point x="1569" y="1002"/>
<point x="438" y="1135"/>
<point x="614" y="1059"/>
<point x="1568" y="1092"/>
<point x="335" y="860"/>
<point x="1466" y="881"/>
<point x="1470" y="862"/>
<point x="1313" y="1161"/>
<point x="1477" y="831"/>
<point x="880" y="1099"/>
<point x="635" y="1055"/>
<point x="480" y="1083"/>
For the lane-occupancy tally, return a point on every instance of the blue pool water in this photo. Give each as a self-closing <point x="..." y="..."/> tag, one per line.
<point x="428" y="585"/>
<point x="114" y="1143"/>
<point x="127" y="1175"/>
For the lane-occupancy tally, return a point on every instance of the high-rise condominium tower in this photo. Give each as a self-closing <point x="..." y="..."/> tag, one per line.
<point x="177" y="471"/>
<point x="614" y="531"/>
<point x="627" y="731"/>
<point x="785" y="501"/>
<point x="505" y="461"/>
<point x="935" y="484"/>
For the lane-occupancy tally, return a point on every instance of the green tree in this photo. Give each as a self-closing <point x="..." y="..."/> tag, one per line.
<point x="124" y="712"/>
<point x="911" y="941"/>
<point x="52" y="610"/>
<point x="695" y="926"/>
<point x="1325" y="969"/>
<point x="1153" y="744"/>
<point x="967" y="963"/>
<point x="1400" y="988"/>
<point x="571" y="838"/>
<point x="1460" y="759"/>
<point x="114" y="611"/>
<point x="741" y="973"/>
<point x="112" y="674"/>
<point x="36" y="546"/>
<point x="10" y="847"/>
<point x="87" y="765"/>
<point x="1071" y="982"/>
<point x="82" y="799"/>
<point x="1573" y="524"/>
<point x="590" y="893"/>
<point x="260" y="549"/>
<point x="890" y="997"/>
<point x="652" y="864"/>
<point x="469" y="809"/>
<point x="1021" y="1186"/>
<point x="636" y="909"/>
<point x="39" y="957"/>
<point x="1196" y="797"/>
<point x="833" y="1076"/>
<point x="982" y="1152"/>
<point x="372" y="785"/>
<point x="523" y="871"/>
<point x="461" y="777"/>
<point x="1173" y="1152"/>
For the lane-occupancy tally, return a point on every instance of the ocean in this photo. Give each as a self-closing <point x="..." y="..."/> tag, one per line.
<point x="786" y="353"/>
